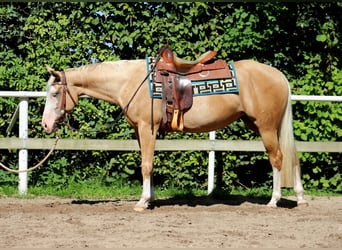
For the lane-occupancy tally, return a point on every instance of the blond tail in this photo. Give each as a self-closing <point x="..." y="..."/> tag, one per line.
<point x="287" y="145"/>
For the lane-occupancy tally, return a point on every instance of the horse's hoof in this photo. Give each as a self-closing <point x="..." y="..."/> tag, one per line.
<point x="138" y="208"/>
<point x="142" y="205"/>
<point x="270" y="205"/>
<point x="302" y="203"/>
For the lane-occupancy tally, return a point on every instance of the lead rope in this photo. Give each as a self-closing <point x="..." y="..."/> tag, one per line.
<point x="35" y="166"/>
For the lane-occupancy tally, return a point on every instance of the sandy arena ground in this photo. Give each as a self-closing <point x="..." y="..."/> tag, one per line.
<point x="201" y="222"/>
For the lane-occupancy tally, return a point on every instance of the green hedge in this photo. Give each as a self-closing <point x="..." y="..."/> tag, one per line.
<point x="301" y="39"/>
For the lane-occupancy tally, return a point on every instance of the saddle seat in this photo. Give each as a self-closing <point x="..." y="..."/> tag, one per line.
<point x="172" y="63"/>
<point x="183" y="65"/>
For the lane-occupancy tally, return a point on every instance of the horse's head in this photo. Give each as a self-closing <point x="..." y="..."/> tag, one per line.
<point x="60" y="99"/>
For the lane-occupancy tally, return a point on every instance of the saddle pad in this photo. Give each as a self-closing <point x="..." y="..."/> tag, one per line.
<point x="199" y="88"/>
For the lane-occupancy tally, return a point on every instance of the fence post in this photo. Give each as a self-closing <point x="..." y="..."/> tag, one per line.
<point x="23" y="135"/>
<point x="211" y="165"/>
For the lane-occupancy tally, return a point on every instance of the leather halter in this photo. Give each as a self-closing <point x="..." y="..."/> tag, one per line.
<point x="64" y="93"/>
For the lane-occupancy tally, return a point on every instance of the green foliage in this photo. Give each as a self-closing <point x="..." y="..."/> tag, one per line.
<point x="301" y="39"/>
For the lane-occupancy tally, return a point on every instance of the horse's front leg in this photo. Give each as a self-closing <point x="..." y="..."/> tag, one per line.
<point x="147" y="142"/>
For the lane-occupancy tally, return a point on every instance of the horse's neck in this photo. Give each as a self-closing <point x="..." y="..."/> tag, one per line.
<point x="106" y="81"/>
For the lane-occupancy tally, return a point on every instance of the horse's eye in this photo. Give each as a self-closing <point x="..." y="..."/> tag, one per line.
<point x="54" y="94"/>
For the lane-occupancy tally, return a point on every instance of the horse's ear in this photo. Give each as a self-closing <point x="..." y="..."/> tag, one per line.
<point x="52" y="71"/>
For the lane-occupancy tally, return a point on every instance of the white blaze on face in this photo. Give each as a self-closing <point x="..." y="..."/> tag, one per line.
<point x="52" y="108"/>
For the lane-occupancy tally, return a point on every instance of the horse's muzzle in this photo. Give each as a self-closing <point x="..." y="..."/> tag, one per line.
<point x="56" y="125"/>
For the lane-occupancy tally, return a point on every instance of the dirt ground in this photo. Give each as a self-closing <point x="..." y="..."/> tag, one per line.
<point x="200" y="222"/>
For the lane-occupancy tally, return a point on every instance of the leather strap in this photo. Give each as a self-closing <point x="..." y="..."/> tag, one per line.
<point x="65" y="92"/>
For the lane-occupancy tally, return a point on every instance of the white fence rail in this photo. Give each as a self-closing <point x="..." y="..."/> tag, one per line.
<point x="24" y="143"/>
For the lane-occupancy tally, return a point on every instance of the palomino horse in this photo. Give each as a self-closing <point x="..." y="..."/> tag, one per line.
<point x="263" y="102"/>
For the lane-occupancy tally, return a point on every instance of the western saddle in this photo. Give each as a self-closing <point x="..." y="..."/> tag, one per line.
<point x="176" y="75"/>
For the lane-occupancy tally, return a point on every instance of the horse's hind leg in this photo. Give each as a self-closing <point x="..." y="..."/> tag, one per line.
<point x="271" y="143"/>
<point x="298" y="186"/>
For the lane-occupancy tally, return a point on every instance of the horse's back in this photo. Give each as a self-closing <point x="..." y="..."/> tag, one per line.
<point x="251" y="72"/>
